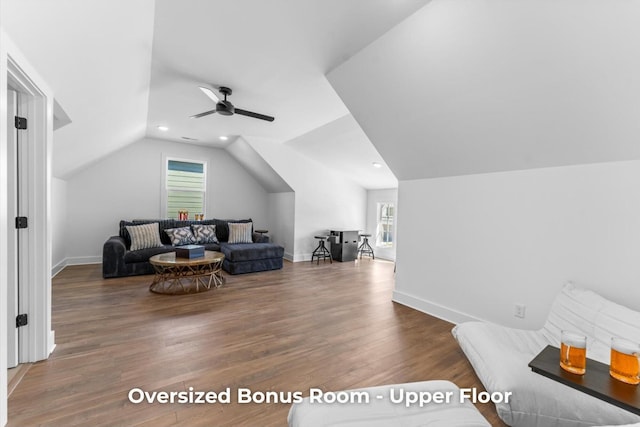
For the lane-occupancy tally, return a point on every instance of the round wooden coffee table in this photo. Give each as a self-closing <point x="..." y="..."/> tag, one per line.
<point x="175" y="276"/>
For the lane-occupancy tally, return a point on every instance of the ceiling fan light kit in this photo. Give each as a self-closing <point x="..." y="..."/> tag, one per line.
<point x="226" y="108"/>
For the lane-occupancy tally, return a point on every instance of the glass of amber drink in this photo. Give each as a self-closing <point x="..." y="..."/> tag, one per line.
<point x="625" y="361"/>
<point x="573" y="352"/>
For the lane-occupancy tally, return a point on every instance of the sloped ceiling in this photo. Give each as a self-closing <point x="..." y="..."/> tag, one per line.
<point x="121" y="68"/>
<point x="343" y="147"/>
<point x="273" y="54"/>
<point x="465" y="86"/>
<point x="96" y="56"/>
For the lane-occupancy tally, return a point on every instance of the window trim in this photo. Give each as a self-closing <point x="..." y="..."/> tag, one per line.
<point x="378" y="241"/>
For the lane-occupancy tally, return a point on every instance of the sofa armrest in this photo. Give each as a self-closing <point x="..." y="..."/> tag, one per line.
<point x="260" y="238"/>
<point x="113" y="252"/>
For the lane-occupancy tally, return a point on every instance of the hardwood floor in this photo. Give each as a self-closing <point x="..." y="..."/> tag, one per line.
<point x="331" y="326"/>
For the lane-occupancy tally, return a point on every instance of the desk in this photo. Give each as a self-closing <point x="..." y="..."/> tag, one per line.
<point x="596" y="381"/>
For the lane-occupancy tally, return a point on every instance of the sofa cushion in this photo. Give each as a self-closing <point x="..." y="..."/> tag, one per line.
<point x="252" y="266"/>
<point x="212" y="247"/>
<point x="180" y="236"/>
<point x="144" y="236"/>
<point x="143" y="255"/>
<point x="163" y="224"/>
<point x="236" y="252"/>
<point x="240" y="232"/>
<point x="581" y="310"/>
<point x="204" y="233"/>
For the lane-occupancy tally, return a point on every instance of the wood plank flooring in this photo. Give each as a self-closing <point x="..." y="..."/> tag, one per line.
<point x="331" y="326"/>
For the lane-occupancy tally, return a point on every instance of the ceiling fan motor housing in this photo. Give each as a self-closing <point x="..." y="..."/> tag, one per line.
<point x="225" y="108"/>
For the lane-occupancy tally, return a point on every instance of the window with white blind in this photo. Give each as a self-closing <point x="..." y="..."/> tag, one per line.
<point x="185" y="187"/>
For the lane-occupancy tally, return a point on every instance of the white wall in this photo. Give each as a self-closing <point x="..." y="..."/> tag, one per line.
<point x="281" y="217"/>
<point x="373" y="198"/>
<point x="473" y="246"/>
<point x="59" y="237"/>
<point x="323" y="199"/>
<point x="128" y="184"/>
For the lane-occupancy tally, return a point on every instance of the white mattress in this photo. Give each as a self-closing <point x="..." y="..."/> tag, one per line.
<point x="500" y="357"/>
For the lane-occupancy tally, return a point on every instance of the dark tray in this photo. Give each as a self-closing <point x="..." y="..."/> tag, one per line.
<point x="596" y="381"/>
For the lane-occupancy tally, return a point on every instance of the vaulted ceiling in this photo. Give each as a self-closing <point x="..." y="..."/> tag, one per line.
<point x="121" y="68"/>
<point x="500" y="85"/>
<point x="441" y="88"/>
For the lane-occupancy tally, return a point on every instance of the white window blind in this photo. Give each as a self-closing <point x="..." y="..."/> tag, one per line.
<point x="185" y="188"/>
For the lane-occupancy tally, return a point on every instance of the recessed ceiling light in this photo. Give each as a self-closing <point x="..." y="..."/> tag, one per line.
<point x="223" y="138"/>
<point x="376" y="165"/>
<point x="163" y="128"/>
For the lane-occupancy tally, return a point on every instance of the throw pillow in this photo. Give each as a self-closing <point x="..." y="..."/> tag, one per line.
<point x="240" y="232"/>
<point x="144" y="236"/>
<point x="204" y="233"/>
<point x="180" y="236"/>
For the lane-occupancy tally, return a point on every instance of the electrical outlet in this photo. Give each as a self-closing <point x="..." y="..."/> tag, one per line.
<point x="519" y="310"/>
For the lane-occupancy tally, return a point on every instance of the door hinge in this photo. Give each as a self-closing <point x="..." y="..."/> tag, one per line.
<point x="22" y="222"/>
<point x="21" y="320"/>
<point x="21" y="122"/>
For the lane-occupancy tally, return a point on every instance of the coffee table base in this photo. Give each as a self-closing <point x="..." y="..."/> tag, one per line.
<point x="185" y="279"/>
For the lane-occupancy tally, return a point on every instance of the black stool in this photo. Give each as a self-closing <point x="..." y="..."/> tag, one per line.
<point x="321" y="252"/>
<point x="365" y="248"/>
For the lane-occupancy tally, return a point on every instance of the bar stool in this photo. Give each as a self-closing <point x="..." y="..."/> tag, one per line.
<point x="321" y="252"/>
<point x="365" y="248"/>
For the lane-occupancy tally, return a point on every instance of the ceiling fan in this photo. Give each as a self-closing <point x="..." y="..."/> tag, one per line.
<point x="225" y="107"/>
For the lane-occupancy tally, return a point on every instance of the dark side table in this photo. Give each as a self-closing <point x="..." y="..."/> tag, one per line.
<point x="596" y="381"/>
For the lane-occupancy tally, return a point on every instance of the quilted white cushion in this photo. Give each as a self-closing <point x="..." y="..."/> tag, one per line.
<point x="500" y="356"/>
<point x="384" y="413"/>
<point x="577" y="309"/>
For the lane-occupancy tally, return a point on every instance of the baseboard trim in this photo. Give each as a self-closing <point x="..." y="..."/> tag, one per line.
<point x="58" y="268"/>
<point x="288" y="256"/>
<point x="17" y="376"/>
<point x="433" y="309"/>
<point x="301" y="257"/>
<point x="82" y="260"/>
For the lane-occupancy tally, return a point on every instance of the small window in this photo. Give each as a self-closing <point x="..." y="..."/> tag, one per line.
<point x="384" y="231"/>
<point x="185" y="188"/>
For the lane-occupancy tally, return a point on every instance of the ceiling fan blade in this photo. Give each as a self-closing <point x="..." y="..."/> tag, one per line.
<point x="254" y="115"/>
<point x="206" y="113"/>
<point x="211" y="94"/>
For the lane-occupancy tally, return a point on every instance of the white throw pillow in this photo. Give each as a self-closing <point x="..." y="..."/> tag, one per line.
<point x="144" y="236"/>
<point x="240" y="232"/>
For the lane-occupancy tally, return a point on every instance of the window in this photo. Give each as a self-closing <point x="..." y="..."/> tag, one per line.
<point x="384" y="231"/>
<point x="185" y="187"/>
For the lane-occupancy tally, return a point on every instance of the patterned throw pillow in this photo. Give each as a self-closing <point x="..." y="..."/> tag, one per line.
<point x="205" y="233"/>
<point x="144" y="236"/>
<point x="240" y="232"/>
<point x="180" y="236"/>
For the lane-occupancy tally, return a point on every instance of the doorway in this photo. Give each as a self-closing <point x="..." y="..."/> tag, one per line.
<point x="17" y="241"/>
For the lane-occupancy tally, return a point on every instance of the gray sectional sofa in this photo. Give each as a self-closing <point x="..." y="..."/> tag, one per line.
<point x="260" y="255"/>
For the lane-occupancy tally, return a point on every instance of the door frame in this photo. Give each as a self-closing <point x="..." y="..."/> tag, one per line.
<point x="13" y="356"/>
<point x="38" y="339"/>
